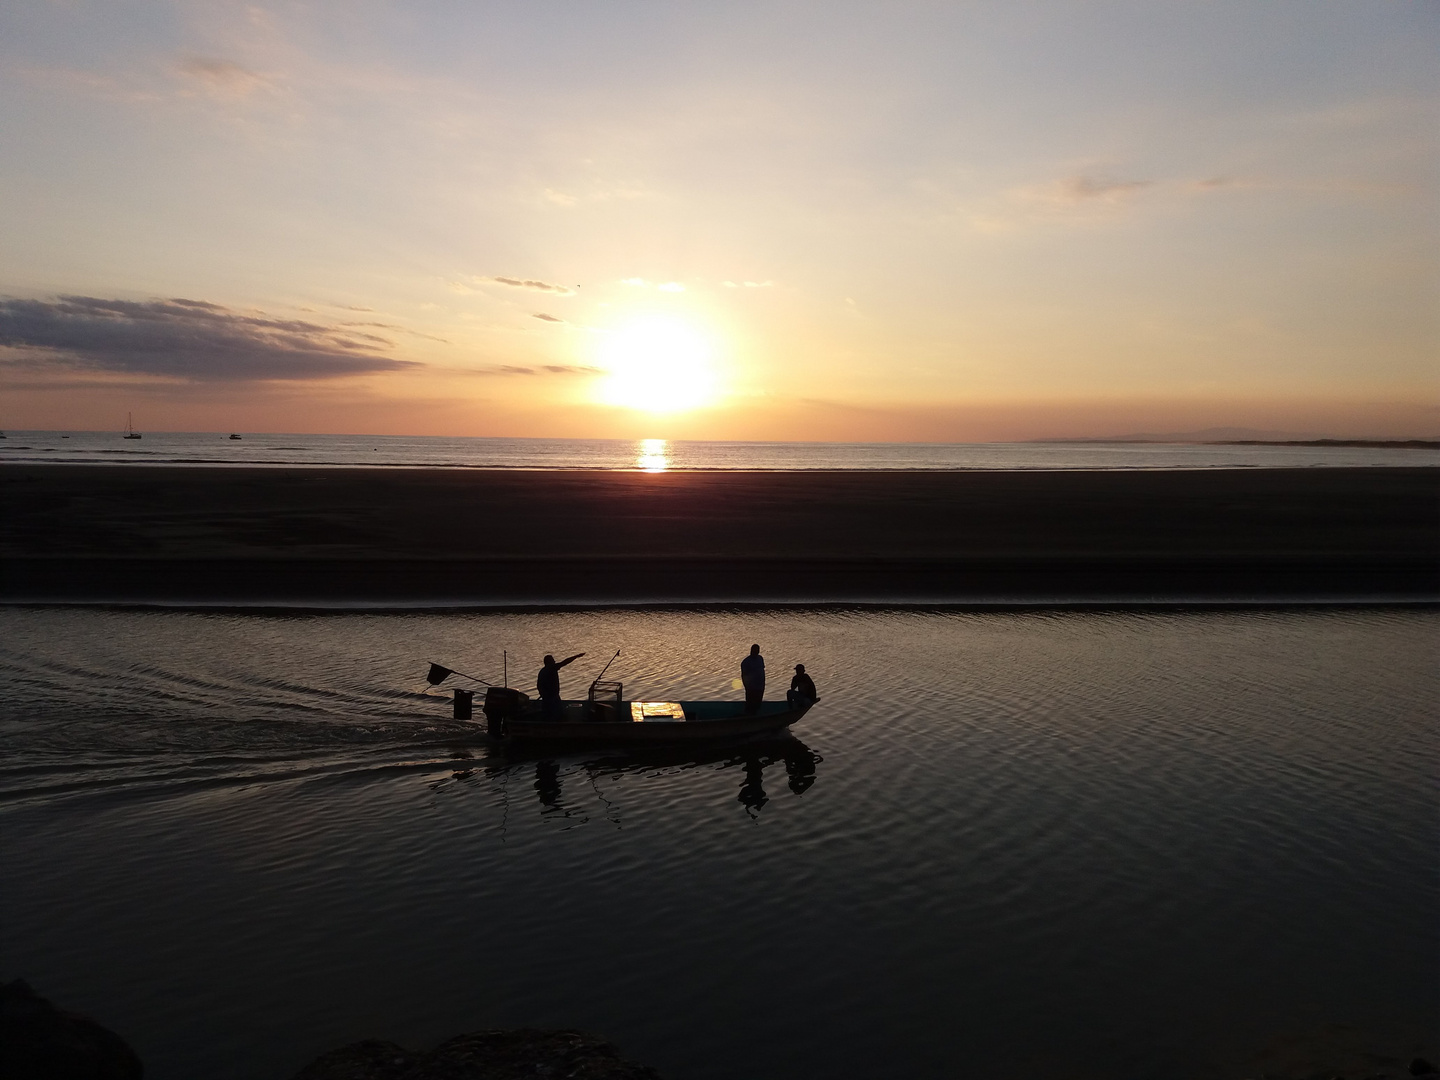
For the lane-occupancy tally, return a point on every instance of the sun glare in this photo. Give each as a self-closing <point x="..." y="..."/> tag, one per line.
<point x="652" y="455"/>
<point x="657" y="365"/>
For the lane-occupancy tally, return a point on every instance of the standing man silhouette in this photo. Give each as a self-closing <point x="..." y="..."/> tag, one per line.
<point x="752" y="677"/>
<point x="547" y="683"/>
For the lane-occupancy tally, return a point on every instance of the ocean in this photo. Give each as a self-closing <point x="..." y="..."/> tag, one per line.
<point x="1082" y="844"/>
<point x="217" y="448"/>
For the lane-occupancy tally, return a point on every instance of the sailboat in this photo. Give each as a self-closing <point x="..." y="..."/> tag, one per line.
<point x="130" y="432"/>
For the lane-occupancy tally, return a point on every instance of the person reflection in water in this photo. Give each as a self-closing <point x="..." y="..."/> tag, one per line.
<point x="802" y="690"/>
<point x="752" y="792"/>
<point x="547" y="782"/>
<point x="547" y="685"/>
<point x="752" y="677"/>
<point x="800" y="767"/>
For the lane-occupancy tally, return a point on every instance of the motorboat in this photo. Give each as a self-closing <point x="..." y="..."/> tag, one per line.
<point x="607" y="715"/>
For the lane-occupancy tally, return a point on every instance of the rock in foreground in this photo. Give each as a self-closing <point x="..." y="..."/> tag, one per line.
<point x="491" y="1055"/>
<point x="41" y="1042"/>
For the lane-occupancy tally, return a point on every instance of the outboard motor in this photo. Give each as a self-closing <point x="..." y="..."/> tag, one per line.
<point x="501" y="703"/>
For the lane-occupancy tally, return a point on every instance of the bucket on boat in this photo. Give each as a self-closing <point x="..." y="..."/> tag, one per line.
<point x="464" y="704"/>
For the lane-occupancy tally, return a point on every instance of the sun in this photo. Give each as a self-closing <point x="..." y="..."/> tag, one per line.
<point x="657" y="364"/>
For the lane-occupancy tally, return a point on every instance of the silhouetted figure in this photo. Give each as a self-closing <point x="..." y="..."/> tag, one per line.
<point x="752" y="792"/>
<point x="547" y="782"/>
<point x="800" y="765"/>
<point x="752" y="677"/>
<point x="547" y="685"/>
<point x="802" y="690"/>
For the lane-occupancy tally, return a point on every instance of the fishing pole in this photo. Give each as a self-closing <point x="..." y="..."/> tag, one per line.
<point x="439" y="674"/>
<point x="605" y="668"/>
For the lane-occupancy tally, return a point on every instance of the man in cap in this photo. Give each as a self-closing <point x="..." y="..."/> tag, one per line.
<point x="802" y="690"/>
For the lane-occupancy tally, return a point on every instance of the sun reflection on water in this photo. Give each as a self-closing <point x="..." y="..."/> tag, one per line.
<point x="652" y="455"/>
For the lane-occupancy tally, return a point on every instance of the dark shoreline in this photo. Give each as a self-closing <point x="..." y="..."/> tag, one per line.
<point x="326" y="536"/>
<point x="320" y="584"/>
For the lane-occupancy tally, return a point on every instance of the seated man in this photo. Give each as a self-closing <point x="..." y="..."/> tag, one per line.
<point x="802" y="690"/>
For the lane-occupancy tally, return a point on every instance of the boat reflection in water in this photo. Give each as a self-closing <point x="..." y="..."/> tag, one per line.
<point x="751" y="760"/>
<point x="652" y="455"/>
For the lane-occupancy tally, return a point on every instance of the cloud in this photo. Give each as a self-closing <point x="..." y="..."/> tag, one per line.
<point x="1084" y="189"/>
<point x="190" y="340"/>
<point x="400" y="330"/>
<point x="1081" y="198"/>
<point x="530" y="283"/>
<point x="547" y="318"/>
<point x="748" y="284"/>
<point x="543" y="369"/>
<point x="1081" y="188"/>
<point x="223" y="78"/>
<point x="467" y="283"/>
<point x="69" y="385"/>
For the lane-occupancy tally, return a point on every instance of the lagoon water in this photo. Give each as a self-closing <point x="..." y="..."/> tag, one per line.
<point x="1089" y="844"/>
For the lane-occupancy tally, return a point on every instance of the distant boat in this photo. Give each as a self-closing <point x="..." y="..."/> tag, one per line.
<point x="235" y="437"/>
<point x="130" y="432"/>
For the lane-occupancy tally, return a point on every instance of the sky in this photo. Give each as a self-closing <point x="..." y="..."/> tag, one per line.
<point x="902" y="221"/>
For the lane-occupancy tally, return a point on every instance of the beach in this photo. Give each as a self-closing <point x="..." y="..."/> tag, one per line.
<point x="416" y="536"/>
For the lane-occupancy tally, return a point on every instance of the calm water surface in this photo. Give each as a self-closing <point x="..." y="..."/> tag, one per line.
<point x="658" y="455"/>
<point x="1085" y="844"/>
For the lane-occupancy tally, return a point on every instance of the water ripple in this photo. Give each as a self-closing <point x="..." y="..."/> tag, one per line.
<point x="1115" y="840"/>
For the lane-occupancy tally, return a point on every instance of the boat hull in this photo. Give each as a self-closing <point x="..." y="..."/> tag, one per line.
<point x="773" y="717"/>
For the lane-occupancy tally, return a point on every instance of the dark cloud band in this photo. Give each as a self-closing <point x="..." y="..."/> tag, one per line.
<point x="188" y="339"/>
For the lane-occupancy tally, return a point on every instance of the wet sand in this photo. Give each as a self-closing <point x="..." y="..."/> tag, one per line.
<point x="326" y="535"/>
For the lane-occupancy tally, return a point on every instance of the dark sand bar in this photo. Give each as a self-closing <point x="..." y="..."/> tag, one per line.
<point x="453" y="536"/>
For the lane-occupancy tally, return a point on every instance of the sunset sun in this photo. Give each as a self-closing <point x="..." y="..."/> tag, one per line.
<point x="658" y="364"/>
